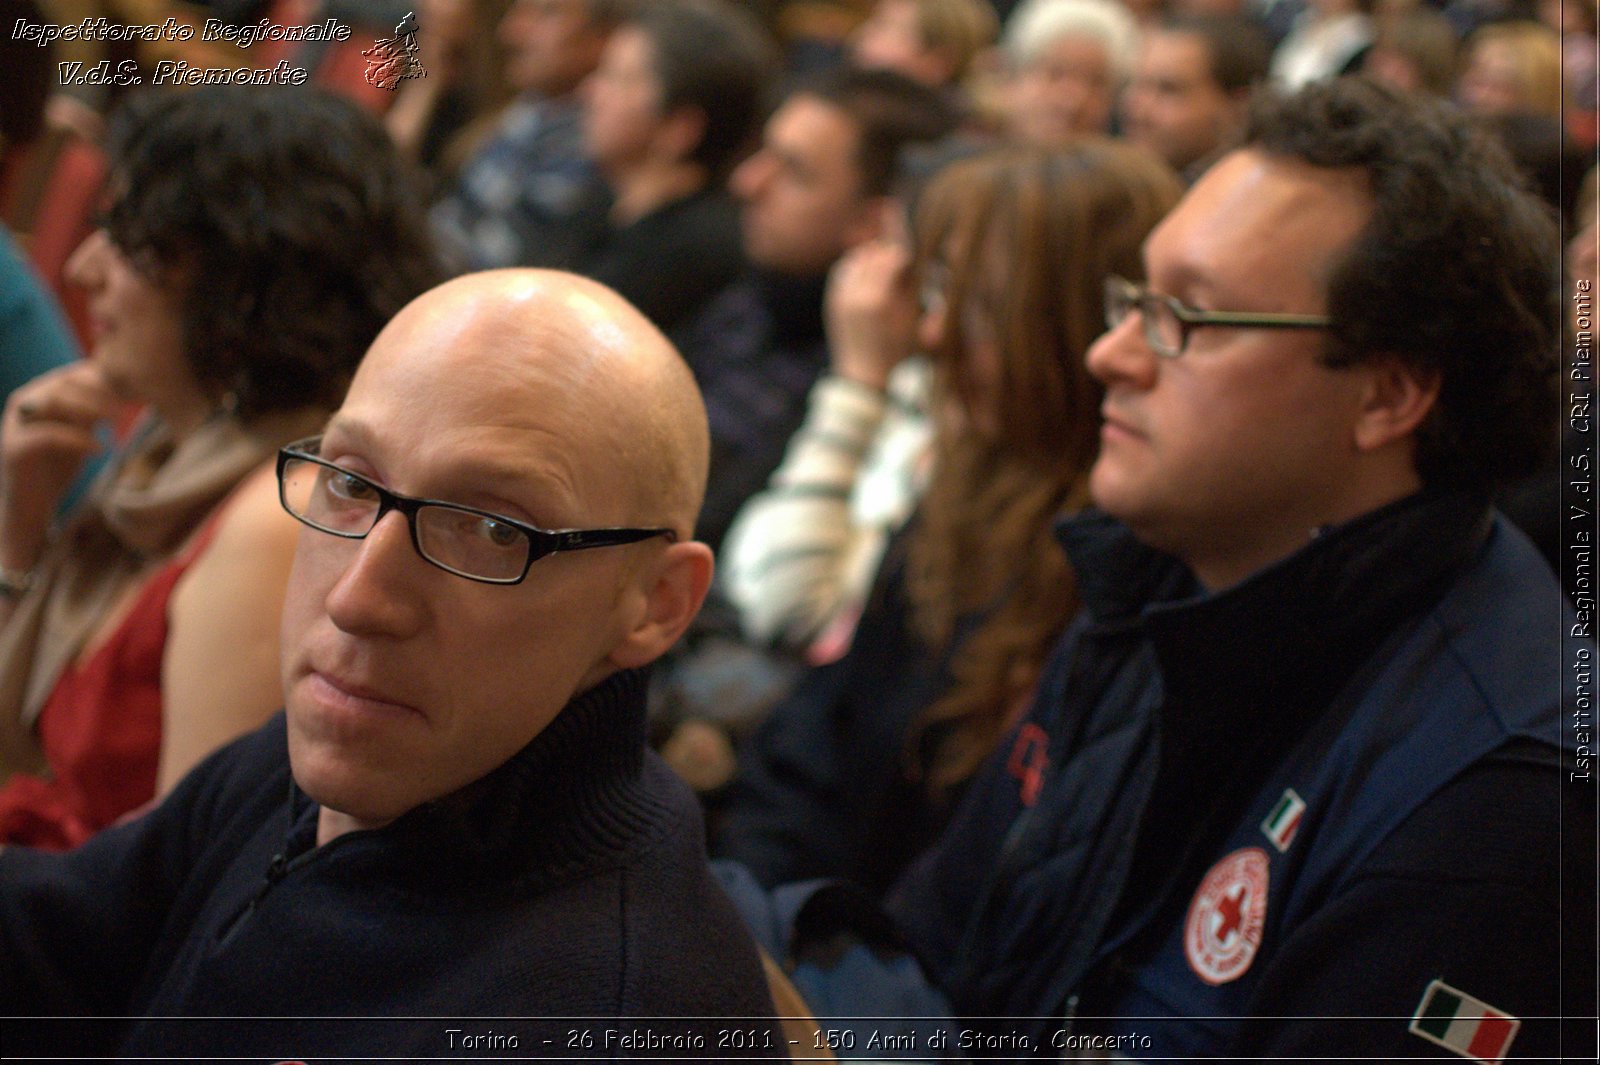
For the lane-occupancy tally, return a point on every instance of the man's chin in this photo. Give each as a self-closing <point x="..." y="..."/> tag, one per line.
<point x="341" y="778"/>
<point x="351" y="796"/>
<point x="1103" y="487"/>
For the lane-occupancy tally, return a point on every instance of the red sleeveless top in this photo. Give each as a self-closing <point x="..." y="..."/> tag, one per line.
<point x="100" y="729"/>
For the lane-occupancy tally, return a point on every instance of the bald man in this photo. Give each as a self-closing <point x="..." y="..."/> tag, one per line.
<point x="456" y="817"/>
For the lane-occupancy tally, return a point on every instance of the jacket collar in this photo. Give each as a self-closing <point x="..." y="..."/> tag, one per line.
<point x="793" y="306"/>
<point x="1239" y="676"/>
<point x="1304" y="621"/>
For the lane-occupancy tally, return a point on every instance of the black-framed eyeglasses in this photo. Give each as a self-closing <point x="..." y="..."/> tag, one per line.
<point x="1167" y="321"/>
<point x="471" y="543"/>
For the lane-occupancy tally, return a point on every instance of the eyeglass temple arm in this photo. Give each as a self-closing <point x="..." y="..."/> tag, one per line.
<point x="582" y="539"/>
<point x="1190" y="316"/>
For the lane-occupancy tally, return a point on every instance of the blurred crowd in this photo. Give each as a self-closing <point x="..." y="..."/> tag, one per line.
<point x="880" y="233"/>
<point x="785" y="189"/>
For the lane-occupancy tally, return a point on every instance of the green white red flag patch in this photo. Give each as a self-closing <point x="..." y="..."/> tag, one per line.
<point x="1283" y="823"/>
<point x="1469" y="1026"/>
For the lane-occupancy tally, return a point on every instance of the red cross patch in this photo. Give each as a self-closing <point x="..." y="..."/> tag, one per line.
<point x="1223" y="929"/>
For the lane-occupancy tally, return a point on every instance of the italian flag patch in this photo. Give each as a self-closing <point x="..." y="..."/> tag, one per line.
<point x="1284" y="820"/>
<point x="1470" y="1027"/>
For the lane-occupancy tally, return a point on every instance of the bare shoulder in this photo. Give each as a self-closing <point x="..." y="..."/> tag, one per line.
<point x="219" y="674"/>
<point x="253" y="520"/>
<point x="251" y="547"/>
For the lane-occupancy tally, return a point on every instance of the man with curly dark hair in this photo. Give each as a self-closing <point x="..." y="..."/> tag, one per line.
<point x="1296" y="783"/>
<point x="1304" y="745"/>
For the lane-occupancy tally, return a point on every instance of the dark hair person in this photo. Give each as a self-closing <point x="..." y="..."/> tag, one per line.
<point x="673" y="106"/>
<point x="1493" y="356"/>
<point x="857" y="771"/>
<point x="254" y="241"/>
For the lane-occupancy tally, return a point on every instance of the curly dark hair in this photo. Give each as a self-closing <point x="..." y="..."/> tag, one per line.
<point x="287" y="222"/>
<point x="1458" y="271"/>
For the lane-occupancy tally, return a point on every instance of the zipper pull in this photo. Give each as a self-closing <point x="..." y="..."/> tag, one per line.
<point x="1068" y="1019"/>
<point x="275" y="872"/>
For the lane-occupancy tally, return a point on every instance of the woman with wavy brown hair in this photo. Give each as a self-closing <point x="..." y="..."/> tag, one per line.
<point x="856" y="771"/>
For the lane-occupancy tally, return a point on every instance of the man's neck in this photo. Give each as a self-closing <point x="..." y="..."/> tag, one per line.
<point x="642" y="189"/>
<point x="331" y="824"/>
<point x="1238" y="559"/>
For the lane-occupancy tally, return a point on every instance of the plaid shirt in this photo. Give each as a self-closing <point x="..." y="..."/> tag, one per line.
<point x="529" y="197"/>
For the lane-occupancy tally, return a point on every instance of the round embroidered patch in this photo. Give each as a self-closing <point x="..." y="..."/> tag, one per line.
<point x="1223" y="929"/>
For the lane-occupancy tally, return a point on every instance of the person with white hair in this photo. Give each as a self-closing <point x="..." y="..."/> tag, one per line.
<point x="1069" y="59"/>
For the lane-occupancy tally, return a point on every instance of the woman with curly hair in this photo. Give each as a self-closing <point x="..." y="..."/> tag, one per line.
<point x="857" y="771"/>
<point x="254" y="242"/>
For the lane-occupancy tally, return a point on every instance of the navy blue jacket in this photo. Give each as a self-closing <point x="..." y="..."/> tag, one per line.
<point x="1397" y="685"/>
<point x="570" y="883"/>
<point x="830" y="785"/>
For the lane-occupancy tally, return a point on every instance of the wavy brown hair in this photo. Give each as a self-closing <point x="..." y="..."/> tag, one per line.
<point x="1027" y="237"/>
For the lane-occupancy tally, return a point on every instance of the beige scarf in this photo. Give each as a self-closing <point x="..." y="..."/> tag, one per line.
<point x="142" y="510"/>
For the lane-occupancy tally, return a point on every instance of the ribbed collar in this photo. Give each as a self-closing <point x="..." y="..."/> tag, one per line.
<point x="1306" y="620"/>
<point x="572" y="798"/>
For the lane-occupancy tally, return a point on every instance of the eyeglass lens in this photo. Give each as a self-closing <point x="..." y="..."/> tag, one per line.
<point x="1163" y="330"/>
<point x="345" y="504"/>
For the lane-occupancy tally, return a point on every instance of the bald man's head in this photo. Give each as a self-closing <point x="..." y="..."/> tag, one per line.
<point x="633" y="401"/>
<point x="493" y="403"/>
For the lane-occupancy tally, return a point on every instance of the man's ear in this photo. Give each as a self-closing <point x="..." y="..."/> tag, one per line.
<point x="673" y="586"/>
<point x="682" y="130"/>
<point x="1397" y="398"/>
<point x="868" y="221"/>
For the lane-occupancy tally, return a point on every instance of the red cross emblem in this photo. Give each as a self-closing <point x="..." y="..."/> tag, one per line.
<point x="1223" y="929"/>
<point x="1229" y="910"/>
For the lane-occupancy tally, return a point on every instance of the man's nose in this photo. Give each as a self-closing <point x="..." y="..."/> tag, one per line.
<point x="1122" y="356"/>
<point x="749" y="176"/>
<point x="379" y="592"/>
<point x="1135" y="104"/>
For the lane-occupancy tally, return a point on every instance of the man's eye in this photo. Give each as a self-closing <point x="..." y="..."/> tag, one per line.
<point x="348" y="486"/>
<point x="498" y="533"/>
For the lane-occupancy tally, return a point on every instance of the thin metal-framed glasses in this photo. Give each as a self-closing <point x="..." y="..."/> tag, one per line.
<point x="476" y="544"/>
<point x="1167" y="322"/>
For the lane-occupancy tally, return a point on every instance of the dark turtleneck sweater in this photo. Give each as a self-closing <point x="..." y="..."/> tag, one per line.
<point x="569" y="883"/>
